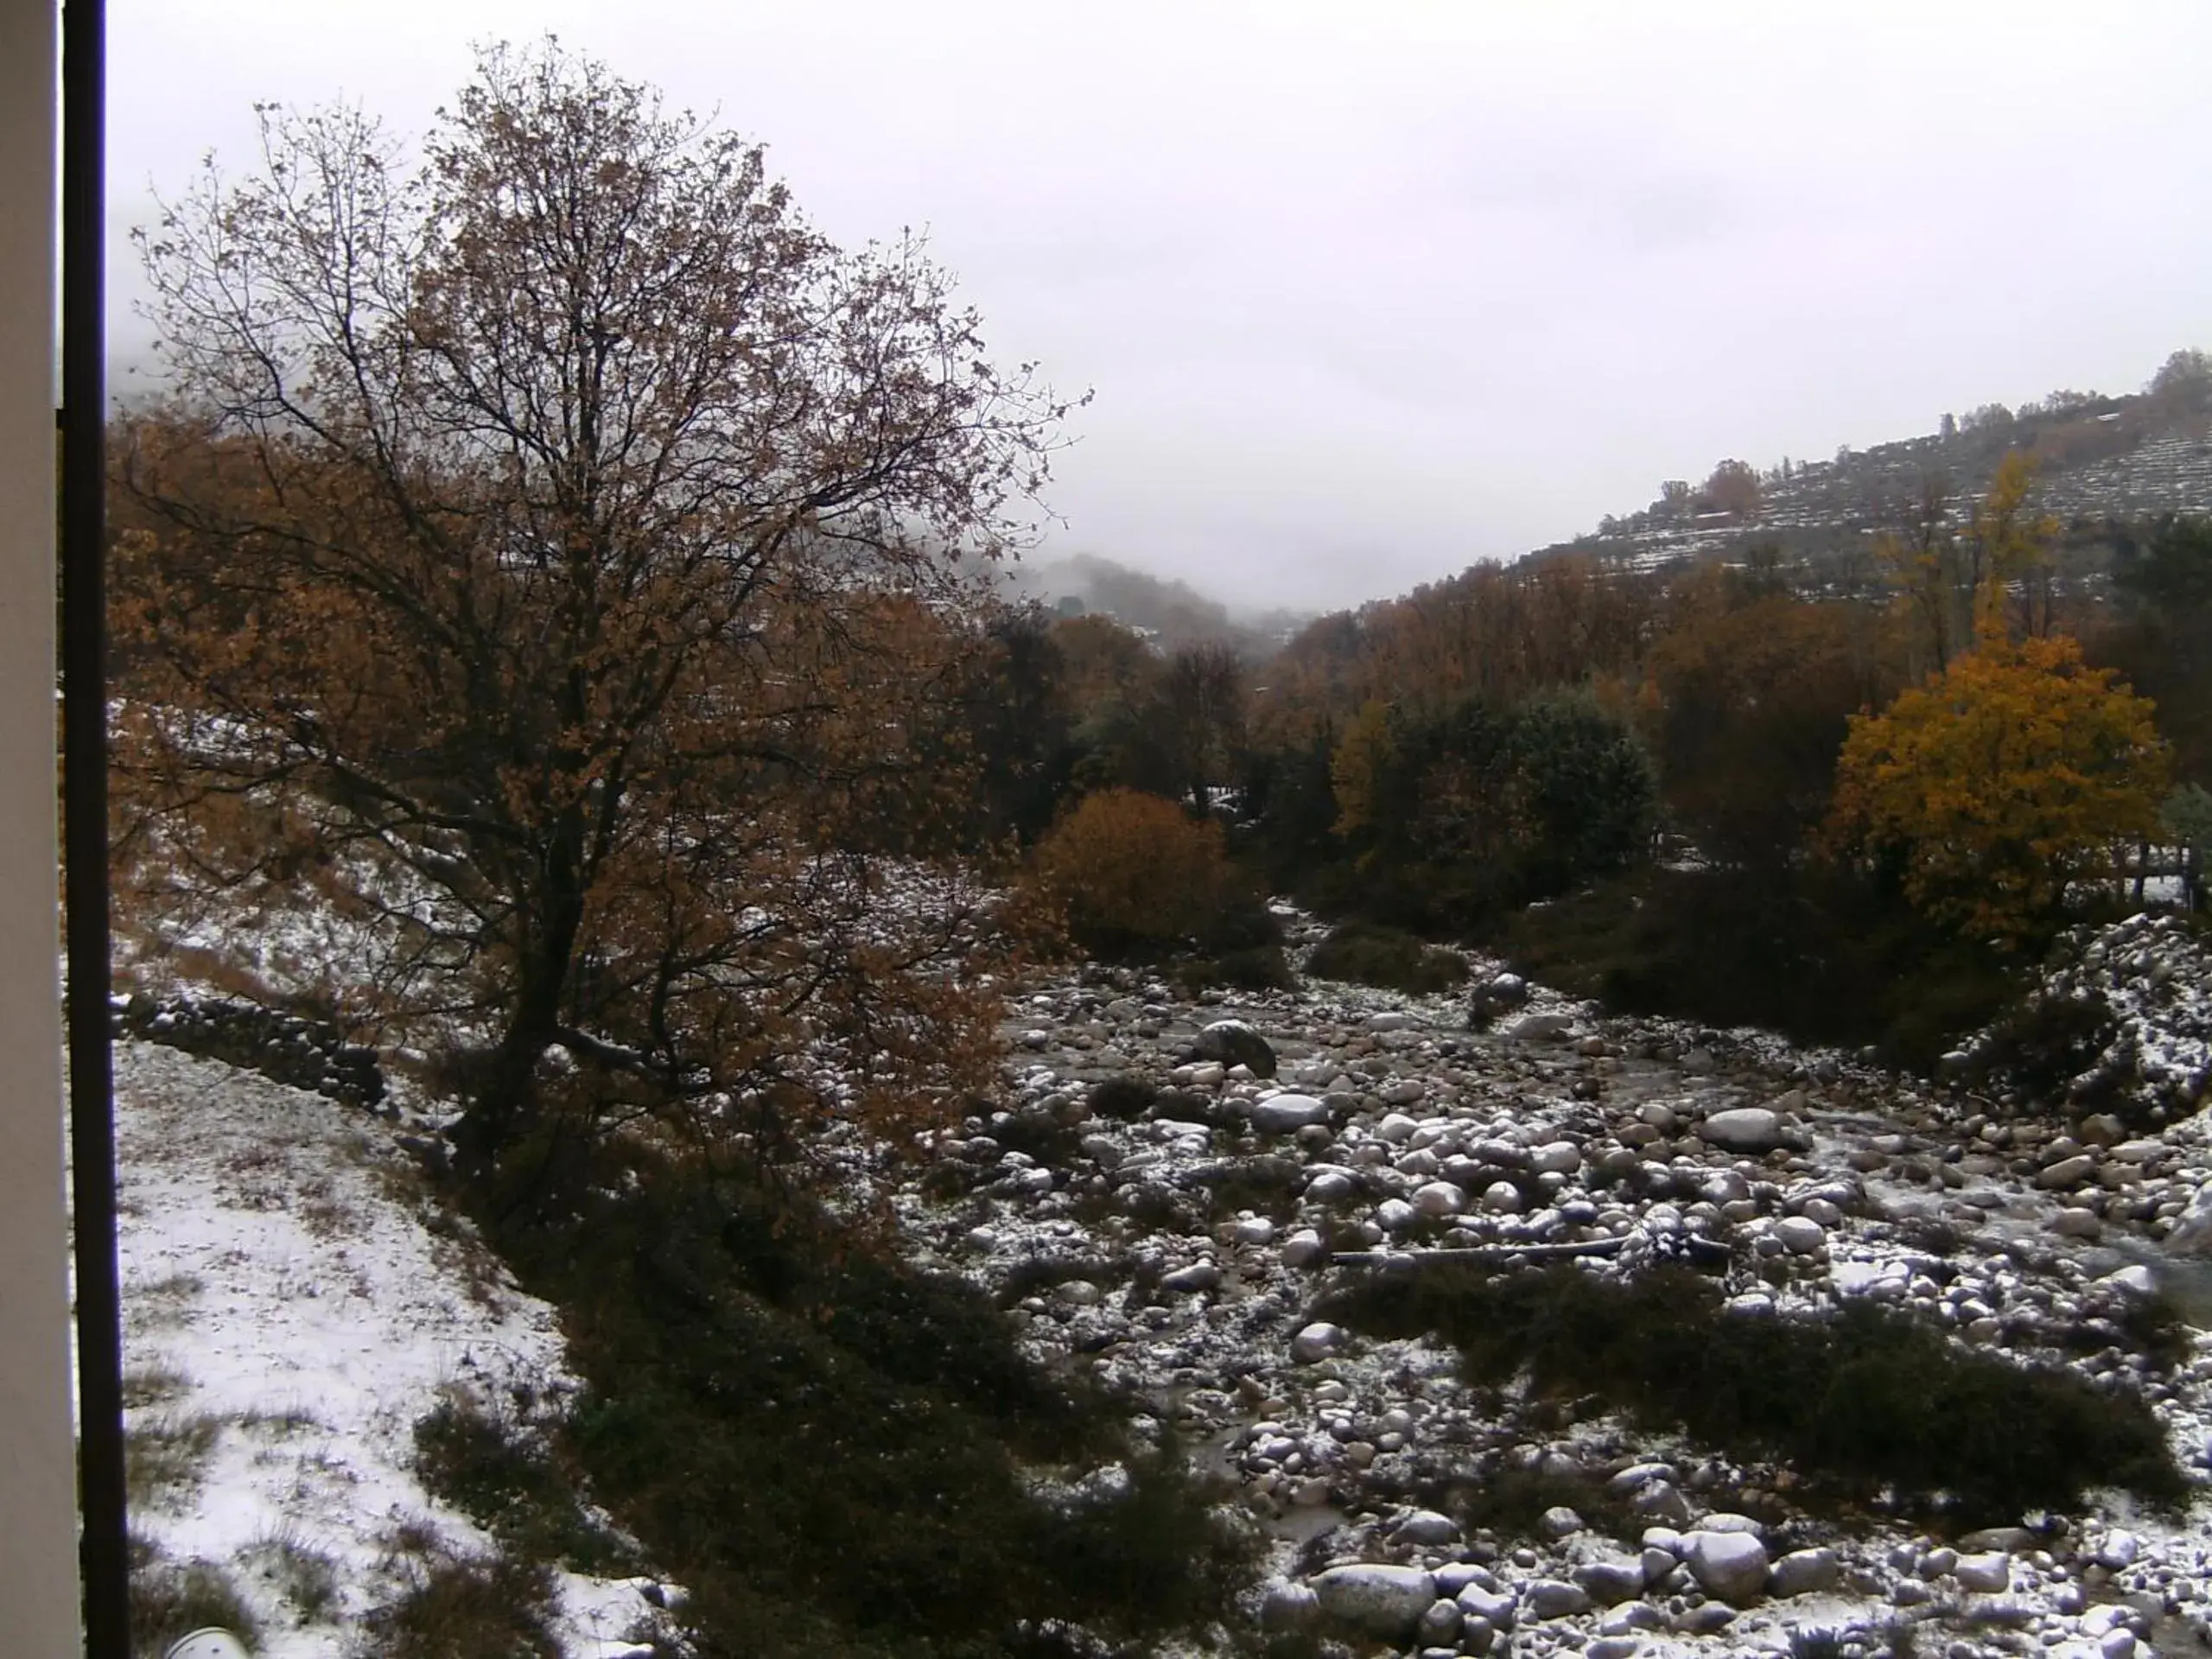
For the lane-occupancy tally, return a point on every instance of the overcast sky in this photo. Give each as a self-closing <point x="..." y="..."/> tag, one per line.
<point x="1369" y="291"/>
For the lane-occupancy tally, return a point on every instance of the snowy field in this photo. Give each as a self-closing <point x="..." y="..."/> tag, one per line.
<point x="289" y="1319"/>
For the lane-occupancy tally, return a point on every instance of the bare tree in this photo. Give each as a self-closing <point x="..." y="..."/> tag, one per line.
<point x="549" y="539"/>
<point x="1202" y="694"/>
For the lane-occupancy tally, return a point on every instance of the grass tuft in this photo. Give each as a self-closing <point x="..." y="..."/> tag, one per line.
<point x="165" y="1459"/>
<point x="146" y="1386"/>
<point x="304" y="1576"/>
<point x="458" y="1606"/>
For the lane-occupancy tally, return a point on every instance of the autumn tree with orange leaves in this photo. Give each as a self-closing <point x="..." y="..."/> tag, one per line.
<point x="549" y="545"/>
<point x="2003" y="784"/>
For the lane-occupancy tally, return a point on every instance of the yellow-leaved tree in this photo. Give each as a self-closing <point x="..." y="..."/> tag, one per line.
<point x="1358" y="757"/>
<point x="2002" y="785"/>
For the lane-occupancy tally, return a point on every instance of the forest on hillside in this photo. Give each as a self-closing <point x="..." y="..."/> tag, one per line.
<point x="1723" y="791"/>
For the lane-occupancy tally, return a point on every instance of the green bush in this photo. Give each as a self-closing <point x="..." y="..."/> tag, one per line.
<point x="1367" y="954"/>
<point x="1864" y="1399"/>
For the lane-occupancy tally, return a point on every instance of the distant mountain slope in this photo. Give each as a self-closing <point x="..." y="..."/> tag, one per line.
<point x="1173" y="613"/>
<point x="2099" y="459"/>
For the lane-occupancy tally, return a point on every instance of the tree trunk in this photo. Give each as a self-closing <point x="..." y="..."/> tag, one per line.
<point x="503" y="1103"/>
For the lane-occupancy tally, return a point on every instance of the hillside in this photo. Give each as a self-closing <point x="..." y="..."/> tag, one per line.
<point x="1172" y="613"/>
<point x="2099" y="459"/>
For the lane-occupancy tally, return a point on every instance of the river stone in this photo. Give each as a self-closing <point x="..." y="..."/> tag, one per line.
<point x="1559" y="1522"/>
<point x="1440" y="1626"/>
<point x="1384" y="1601"/>
<point x="1287" y="1606"/>
<point x="1556" y="1158"/>
<point x="1439" y="1198"/>
<point x="1729" y="1565"/>
<point x="1541" y="1029"/>
<point x="1234" y="1042"/>
<point x="1662" y="1500"/>
<point x="1316" y="1343"/>
<point x="1991" y="1572"/>
<point x="1554" y="1598"/>
<point x="1255" y="1231"/>
<point x="1496" y="1607"/>
<point x="1743" y="1129"/>
<point x="1800" y="1235"/>
<point x="1804" y="1572"/>
<point x="1331" y="1185"/>
<point x="1199" y="1275"/>
<point x="1610" y="1583"/>
<point x="1288" y="1113"/>
<point x="1428" y="1526"/>
<point x="2068" y="1172"/>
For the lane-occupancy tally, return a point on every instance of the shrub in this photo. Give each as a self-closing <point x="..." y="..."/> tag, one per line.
<point x="466" y="1607"/>
<point x="1865" y="1399"/>
<point x="2044" y="1043"/>
<point x="1123" y="1098"/>
<point x="1367" y="954"/>
<point x="777" y="1413"/>
<point x="1258" y="968"/>
<point x="1824" y="954"/>
<point x="503" y="1478"/>
<point x="1134" y="872"/>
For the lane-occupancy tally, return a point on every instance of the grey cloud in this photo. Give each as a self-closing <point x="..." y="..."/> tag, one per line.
<point x="1369" y="293"/>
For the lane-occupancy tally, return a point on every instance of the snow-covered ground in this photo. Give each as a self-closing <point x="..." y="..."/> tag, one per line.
<point x="288" y="1318"/>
